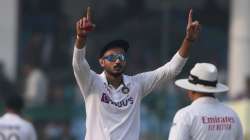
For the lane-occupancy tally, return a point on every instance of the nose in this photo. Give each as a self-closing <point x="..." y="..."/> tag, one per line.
<point x="118" y="61"/>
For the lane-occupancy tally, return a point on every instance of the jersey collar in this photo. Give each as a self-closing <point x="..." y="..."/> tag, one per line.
<point x="205" y="100"/>
<point x="126" y="79"/>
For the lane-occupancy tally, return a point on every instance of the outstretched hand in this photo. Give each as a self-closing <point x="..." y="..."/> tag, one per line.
<point x="193" y="28"/>
<point x="84" y="25"/>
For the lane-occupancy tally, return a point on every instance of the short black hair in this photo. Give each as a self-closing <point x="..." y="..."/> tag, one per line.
<point x="14" y="102"/>
<point x="114" y="44"/>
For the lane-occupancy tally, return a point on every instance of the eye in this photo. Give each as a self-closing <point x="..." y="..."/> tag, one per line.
<point x="114" y="57"/>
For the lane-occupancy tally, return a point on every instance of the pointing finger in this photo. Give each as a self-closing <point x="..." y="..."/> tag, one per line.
<point x="81" y="23"/>
<point x="190" y="16"/>
<point x="88" y="14"/>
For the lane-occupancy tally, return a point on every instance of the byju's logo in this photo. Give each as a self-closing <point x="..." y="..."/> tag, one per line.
<point x="125" y="102"/>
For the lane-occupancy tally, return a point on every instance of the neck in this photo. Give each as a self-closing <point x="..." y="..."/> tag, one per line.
<point x="202" y="95"/>
<point x="114" y="80"/>
<point x="11" y="111"/>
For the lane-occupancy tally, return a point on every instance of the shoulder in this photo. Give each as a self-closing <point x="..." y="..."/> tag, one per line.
<point x="182" y="117"/>
<point x="95" y="77"/>
<point x="128" y="77"/>
<point x="1" y="120"/>
<point x="139" y="76"/>
<point x="28" y="128"/>
<point x="183" y="113"/>
<point x="26" y="124"/>
<point x="133" y="80"/>
<point x="228" y="109"/>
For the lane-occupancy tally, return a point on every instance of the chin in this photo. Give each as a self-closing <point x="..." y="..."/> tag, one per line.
<point x="116" y="74"/>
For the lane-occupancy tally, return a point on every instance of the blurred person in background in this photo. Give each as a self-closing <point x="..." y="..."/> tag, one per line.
<point x="112" y="99"/>
<point x="206" y="118"/>
<point x="34" y="50"/>
<point x="12" y="125"/>
<point x="36" y="85"/>
<point x="246" y="93"/>
<point x="57" y="130"/>
<point x="5" y="84"/>
<point x="56" y="94"/>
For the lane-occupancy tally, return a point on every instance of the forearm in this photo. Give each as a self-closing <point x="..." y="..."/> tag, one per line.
<point x="185" y="48"/>
<point x="175" y="65"/>
<point x="81" y="68"/>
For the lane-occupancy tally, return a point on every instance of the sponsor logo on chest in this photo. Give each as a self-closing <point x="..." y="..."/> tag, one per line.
<point x="123" y="103"/>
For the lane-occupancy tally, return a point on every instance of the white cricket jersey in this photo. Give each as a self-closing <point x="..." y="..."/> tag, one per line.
<point x="110" y="113"/>
<point x="13" y="127"/>
<point x="206" y="119"/>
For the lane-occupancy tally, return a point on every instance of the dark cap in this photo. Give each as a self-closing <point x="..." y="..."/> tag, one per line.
<point x="114" y="44"/>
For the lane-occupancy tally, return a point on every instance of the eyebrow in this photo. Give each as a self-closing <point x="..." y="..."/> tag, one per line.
<point x="114" y="54"/>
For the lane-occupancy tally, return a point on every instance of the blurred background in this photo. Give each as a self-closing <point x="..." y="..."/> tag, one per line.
<point x="36" y="45"/>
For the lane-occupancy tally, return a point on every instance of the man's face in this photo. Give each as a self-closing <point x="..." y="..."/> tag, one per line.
<point x="114" y="61"/>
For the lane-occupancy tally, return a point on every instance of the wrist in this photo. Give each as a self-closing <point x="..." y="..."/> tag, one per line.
<point x="81" y="37"/>
<point x="191" y="40"/>
<point x="80" y="41"/>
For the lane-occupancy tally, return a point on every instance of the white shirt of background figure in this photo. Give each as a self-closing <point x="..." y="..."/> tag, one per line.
<point x="36" y="86"/>
<point x="12" y="126"/>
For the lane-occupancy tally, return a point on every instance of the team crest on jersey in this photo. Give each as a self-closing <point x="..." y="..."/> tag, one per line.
<point x="125" y="90"/>
<point x="125" y="102"/>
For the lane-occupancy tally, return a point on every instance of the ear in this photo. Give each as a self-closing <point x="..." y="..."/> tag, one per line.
<point x="101" y="62"/>
<point x="190" y="95"/>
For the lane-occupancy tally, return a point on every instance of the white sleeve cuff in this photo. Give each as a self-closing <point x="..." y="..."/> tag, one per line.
<point x="179" y="58"/>
<point x="80" y="52"/>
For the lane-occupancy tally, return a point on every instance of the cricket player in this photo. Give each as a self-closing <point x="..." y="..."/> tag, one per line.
<point x="12" y="126"/>
<point x="206" y="118"/>
<point x="113" y="99"/>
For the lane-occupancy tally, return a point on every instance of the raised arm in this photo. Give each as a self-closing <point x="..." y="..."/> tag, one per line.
<point x="192" y="32"/>
<point x="80" y="65"/>
<point x="152" y="79"/>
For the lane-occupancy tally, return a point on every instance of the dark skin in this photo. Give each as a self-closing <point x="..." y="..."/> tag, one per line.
<point x="12" y="111"/>
<point x="114" y="77"/>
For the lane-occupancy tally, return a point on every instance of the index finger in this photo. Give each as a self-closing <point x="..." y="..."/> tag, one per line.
<point x="88" y="13"/>
<point x="190" y="16"/>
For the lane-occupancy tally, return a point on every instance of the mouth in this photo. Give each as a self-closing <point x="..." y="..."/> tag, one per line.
<point x="117" y="68"/>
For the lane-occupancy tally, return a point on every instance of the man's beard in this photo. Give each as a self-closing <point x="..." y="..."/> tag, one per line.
<point x="115" y="74"/>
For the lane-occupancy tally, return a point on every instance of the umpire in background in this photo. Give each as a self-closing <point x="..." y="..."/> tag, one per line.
<point x="206" y="118"/>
